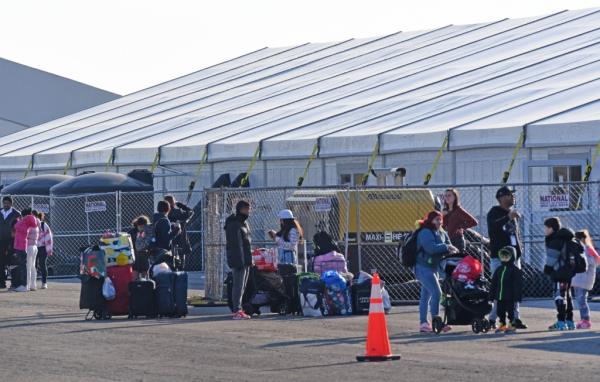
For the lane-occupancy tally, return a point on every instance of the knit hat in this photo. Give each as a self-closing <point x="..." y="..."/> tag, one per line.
<point x="241" y="204"/>
<point x="553" y="223"/>
<point x="507" y="253"/>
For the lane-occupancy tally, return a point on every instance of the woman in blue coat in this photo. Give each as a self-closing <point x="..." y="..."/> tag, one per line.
<point x="432" y="243"/>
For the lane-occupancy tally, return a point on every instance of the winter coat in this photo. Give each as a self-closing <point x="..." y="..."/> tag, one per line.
<point x="238" y="242"/>
<point x="6" y="225"/>
<point x="163" y="233"/>
<point x="501" y="228"/>
<point x="45" y="238"/>
<point x="586" y="280"/>
<point x="555" y="244"/>
<point x="288" y="246"/>
<point x="181" y="214"/>
<point x="432" y="245"/>
<point x="507" y="283"/>
<point x="26" y="232"/>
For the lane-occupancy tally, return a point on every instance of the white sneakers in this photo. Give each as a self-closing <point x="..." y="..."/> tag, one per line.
<point x="44" y="286"/>
<point x="21" y="289"/>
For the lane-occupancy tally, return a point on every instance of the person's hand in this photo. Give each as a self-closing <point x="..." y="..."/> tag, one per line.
<point x="514" y="214"/>
<point x="272" y="234"/>
<point x="453" y="250"/>
<point x="50" y="253"/>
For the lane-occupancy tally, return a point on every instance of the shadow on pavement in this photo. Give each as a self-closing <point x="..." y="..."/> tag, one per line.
<point x="312" y="366"/>
<point x="316" y="342"/>
<point x="585" y="343"/>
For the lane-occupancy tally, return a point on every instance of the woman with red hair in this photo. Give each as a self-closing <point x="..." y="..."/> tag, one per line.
<point x="432" y="244"/>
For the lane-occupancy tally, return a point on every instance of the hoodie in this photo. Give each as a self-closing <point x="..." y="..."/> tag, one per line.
<point x="554" y="248"/>
<point x="239" y="242"/>
<point x="507" y="283"/>
<point x="163" y="234"/>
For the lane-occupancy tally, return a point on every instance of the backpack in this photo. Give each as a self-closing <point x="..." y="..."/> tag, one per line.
<point x="570" y="262"/>
<point x="408" y="249"/>
<point x="144" y="240"/>
<point x="577" y="257"/>
<point x="310" y="288"/>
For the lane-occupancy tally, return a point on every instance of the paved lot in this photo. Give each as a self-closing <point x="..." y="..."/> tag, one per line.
<point x="45" y="338"/>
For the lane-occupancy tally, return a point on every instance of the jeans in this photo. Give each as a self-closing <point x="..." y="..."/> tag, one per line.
<point x="31" y="270"/>
<point x="42" y="263"/>
<point x="430" y="292"/>
<point x="563" y="301"/>
<point x="494" y="265"/>
<point x="287" y="257"/>
<point x="240" y="279"/>
<point x="581" y="296"/>
<point x="21" y="270"/>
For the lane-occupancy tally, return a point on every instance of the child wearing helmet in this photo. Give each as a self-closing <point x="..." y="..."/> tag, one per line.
<point x="506" y="289"/>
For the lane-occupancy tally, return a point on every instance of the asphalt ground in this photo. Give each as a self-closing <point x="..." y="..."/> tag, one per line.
<point x="45" y="338"/>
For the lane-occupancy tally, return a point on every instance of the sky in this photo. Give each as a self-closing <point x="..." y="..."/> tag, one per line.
<point x="127" y="45"/>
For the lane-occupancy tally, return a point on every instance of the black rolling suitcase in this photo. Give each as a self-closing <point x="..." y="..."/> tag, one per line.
<point x="361" y="297"/>
<point x="290" y="282"/>
<point x="165" y="295"/>
<point x="180" y="290"/>
<point x="91" y="298"/>
<point x="142" y="300"/>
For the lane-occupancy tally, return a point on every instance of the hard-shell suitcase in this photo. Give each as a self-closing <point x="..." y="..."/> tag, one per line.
<point x="361" y="297"/>
<point x="165" y="295"/>
<point x="120" y="276"/>
<point x="142" y="301"/>
<point x="181" y="288"/>
<point x="91" y="297"/>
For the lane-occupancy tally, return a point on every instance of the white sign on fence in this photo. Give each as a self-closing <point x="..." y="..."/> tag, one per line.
<point x="322" y="204"/>
<point x="41" y="207"/>
<point x="555" y="201"/>
<point x="97" y="206"/>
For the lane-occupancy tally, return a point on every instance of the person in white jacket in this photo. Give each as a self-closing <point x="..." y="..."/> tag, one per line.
<point x="287" y="238"/>
<point x="582" y="283"/>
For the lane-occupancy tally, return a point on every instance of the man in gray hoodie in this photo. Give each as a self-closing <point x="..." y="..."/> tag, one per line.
<point x="239" y="254"/>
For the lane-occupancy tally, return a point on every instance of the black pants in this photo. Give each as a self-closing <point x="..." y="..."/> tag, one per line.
<point x="42" y="263"/>
<point x="564" y="302"/>
<point x="504" y="308"/>
<point x="5" y="260"/>
<point x="19" y="276"/>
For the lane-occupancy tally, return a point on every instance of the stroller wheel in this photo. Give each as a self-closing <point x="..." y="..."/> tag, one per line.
<point x="437" y="325"/>
<point x="486" y="326"/>
<point x="477" y="326"/>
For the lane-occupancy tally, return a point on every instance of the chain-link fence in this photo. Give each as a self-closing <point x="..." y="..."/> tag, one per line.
<point x="369" y="224"/>
<point x="80" y="220"/>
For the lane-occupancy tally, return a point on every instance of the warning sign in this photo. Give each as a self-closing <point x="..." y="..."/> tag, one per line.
<point x="556" y="201"/>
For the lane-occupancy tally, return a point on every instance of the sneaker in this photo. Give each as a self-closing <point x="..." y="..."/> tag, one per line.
<point x="21" y="289"/>
<point x="493" y="325"/>
<point x="584" y="324"/>
<point x="446" y="329"/>
<point x="425" y="328"/>
<point x="501" y="329"/>
<point x="518" y="324"/>
<point x="510" y="330"/>
<point x="570" y="325"/>
<point x="558" y="325"/>
<point x="240" y="316"/>
<point x="44" y="286"/>
<point x="245" y="315"/>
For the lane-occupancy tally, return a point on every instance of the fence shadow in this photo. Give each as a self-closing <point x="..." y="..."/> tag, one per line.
<point x="584" y="343"/>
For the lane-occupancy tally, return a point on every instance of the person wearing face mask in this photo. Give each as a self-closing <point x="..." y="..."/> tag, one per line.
<point x="503" y="229"/>
<point x="432" y="243"/>
<point x="8" y="216"/>
<point x="239" y="254"/>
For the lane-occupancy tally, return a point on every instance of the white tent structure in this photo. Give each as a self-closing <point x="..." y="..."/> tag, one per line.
<point x="29" y="97"/>
<point x="481" y="86"/>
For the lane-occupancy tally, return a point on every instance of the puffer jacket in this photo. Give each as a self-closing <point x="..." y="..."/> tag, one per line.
<point x="554" y="248"/>
<point x="239" y="243"/>
<point x="586" y="279"/>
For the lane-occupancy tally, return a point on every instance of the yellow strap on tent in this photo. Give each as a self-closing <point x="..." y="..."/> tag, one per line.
<point x="365" y="177"/>
<point x="436" y="161"/>
<point x="29" y="168"/>
<point x="590" y="166"/>
<point x="109" y="161"/>
<point x="520" y="142"/>
<point x="68" y="165"/>
<point x="197" y="175"/>
<point x="310" y="160"/>
<point x="252" y="163"/>
<point x="155" y="161"/>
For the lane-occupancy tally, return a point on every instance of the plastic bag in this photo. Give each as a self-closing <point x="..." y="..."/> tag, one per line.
<point x="108" y="289"/>
<point x="265" y="260"/>
<point x="160" y="268"/>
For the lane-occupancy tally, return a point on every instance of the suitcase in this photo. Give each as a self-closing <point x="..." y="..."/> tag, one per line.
<point x="361" y="297"/>
<point x="180" y="290"/>
<point x="142" y="301"/>
<point x="120" y="276"/>
<point x="91" y="298"/>
<point x="310" y="289"/>
<point x="165" y="295"/>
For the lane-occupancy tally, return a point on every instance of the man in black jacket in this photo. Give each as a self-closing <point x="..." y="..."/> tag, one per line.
<point x="239" y="254"/>
<point x="180" y="214"/>
<point x="164" y="233"/>
<point x="8" y="215"/>
<point x="503" y="230"/>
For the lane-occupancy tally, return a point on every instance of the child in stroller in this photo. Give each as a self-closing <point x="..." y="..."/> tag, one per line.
<point x="465" y="296"/>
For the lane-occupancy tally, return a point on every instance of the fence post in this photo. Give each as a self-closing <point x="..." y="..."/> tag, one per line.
<point x="32" y="202"/>
<point x="347" y="238"/>
<point x="87" y="221"/>
<point x="118" y="210"/>
<point x="358" y="231"/>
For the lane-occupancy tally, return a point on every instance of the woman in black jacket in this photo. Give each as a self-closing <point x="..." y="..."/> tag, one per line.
<point x="239" y="255"/>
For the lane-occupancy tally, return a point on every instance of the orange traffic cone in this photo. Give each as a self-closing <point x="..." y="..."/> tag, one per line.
<point x="378" y="342"/>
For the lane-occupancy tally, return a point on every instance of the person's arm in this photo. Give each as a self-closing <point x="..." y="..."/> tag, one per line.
<point x="429" y="245"/>
<point x="467" y="220"/>
<point x="592" y="251"/>
<point x="187" y="212"/>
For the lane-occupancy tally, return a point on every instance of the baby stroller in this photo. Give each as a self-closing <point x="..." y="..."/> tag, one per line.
<point x="463" y="303"/>
<point x="265" y="289"/>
